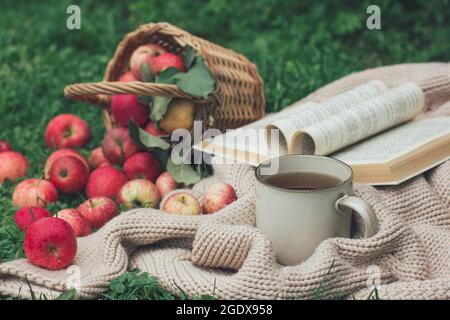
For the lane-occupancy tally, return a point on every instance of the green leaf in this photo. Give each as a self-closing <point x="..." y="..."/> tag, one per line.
<point x="188" y="56"/>
<point x="117" y="287"/>
<point x="160" y="104"/>
<point x="159" y="108"/>
<point x="68" y="295"/>
<point x="136" y="285"/>
<point x="198" y="81"/>
<point x="204" y="170"/>
<point x="145" y="100"/>
<point x="162" y="156"/>
<point x="146" y="75"/>
<point x="182" y="173"/>
<point x="145" y="139"/>
<point x="167" y="76"/>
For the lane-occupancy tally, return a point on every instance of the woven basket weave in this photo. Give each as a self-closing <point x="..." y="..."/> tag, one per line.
<point x="238" y="97"/>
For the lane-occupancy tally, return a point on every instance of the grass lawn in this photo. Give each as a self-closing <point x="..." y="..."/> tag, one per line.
<point x="297" y="45"/>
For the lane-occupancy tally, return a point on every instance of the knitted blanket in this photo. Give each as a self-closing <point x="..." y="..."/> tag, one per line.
<point x="409" y="258"/>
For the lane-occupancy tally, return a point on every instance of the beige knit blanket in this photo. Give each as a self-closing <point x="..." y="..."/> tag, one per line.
<point x="409" y="258"/>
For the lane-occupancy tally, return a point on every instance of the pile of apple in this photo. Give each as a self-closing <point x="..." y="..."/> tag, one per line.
<point x="117" y="174"/>
<point x="152" y="60"/>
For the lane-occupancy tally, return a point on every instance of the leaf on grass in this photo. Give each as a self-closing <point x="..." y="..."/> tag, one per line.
<point x="146" y="75"/>
<point x="182" y="173"/>
<point x="145" y="139"/>
<point x="68" y="295"/>
<point x="188" y="56"/>
<point x="136" y="285"/>
<point x="117" y="287"/>
<point x="159" y="108"/>
<point x="198" y="81"/>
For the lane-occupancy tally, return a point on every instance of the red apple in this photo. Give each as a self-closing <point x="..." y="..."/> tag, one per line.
<point x="105" y="182"/>
<point x="50" y="243"/>
<point x="165" y="183"/>
<point x="66" y="131"/>
<point x="127" y="77"/>
<point x="218" y="196"/>
<point x="167" y="60"/>
<point x="154" y="131"/>
<point x="139" y="193"/>
<point x="142" y="165"/>
<point x="26" y="216"/>
<point x="68" y="174"/>
<point x="97" y="159"/>
<point x="98" y="211"/>
<point x="13" y="165"/>
<point x="34" y="193"/>
<point x="181" y="202"/>
<point x="79" y="224"/>
<point x="117" y="145"/>
<point x="4" y="146"/>
<point x="61" y="153"/>
<point x="126" y="107"/>
<point x="144" y="55"/>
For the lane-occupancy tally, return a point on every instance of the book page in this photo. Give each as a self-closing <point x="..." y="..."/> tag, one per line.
<point x="395" y="142"/>
<point x="247" y="141"/>
<point x="312" y="113"/>
<point x="396" y="106"/>
<point x="236" y="138"/>
<point x="247" y="144"/>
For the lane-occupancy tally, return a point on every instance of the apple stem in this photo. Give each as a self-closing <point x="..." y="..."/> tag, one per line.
<point x="32" y="215"/>
<point x="122" y="153"/>
<point x="148" y="204"/>
<point x="63" y="173"/>
<point x="53" y="251"/>
<point x="135" y="204"/>
<point x="40" y="199"/>
<point x="68" y="132"/>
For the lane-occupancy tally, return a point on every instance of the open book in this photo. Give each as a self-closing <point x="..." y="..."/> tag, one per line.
<point x="369" y="125"/>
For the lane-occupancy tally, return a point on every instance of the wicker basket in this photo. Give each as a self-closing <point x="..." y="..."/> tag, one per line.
<point x="238" y="97"/>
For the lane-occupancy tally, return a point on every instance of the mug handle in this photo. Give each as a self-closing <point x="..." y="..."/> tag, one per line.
<point x="363" y="209"/>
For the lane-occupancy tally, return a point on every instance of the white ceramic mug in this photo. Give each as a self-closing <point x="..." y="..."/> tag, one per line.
<point x="297" y="221"/>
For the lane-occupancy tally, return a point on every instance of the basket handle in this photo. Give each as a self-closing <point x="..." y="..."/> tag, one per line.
<point x="98" y="92"/>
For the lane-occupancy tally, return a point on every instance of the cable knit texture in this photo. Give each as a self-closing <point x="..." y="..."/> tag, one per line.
<point x="409" y="258"/>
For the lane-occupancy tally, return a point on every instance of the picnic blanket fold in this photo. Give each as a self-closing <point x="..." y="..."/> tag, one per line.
<point x="409" y="258"/>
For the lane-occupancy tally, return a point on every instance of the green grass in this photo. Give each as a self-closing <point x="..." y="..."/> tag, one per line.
<point x="132" y="285"/>
<point x="297" y="45"/>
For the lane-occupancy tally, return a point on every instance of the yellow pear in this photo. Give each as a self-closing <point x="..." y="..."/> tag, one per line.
<point x="179" y="115"/>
